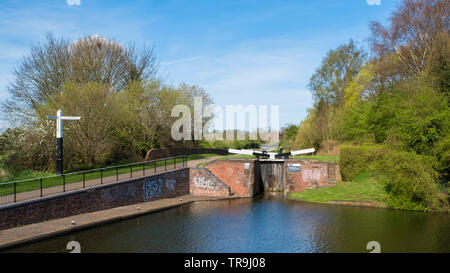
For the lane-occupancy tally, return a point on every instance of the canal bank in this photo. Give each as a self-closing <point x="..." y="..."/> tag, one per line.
<point x="39" y="231"/>
<point x="267" y="223"/>
<point x="134" y="198"/>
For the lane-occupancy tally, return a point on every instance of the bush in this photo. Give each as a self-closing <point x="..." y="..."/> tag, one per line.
<point x="412" y="178"/>
<point x="442" y="152"/>
<point x="355" y="160"/>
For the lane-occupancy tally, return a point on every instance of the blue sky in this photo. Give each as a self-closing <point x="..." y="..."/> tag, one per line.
<point x="241" y="52"/>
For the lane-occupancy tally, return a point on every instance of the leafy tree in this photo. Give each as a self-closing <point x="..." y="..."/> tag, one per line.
<point x="288" y="135"/>
<point x="87" y="141"/>
<point x="336" y="71"/>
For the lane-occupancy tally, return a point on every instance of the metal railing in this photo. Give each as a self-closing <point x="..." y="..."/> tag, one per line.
<point x="15" y="191"/>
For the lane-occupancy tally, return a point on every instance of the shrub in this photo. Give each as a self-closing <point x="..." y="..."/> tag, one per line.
<point x="411" y="177"/>
<point x="442" y="152"/>
<point x="355" y="160"/>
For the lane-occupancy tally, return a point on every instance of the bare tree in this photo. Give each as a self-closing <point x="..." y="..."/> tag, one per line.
<point x="404" y="47"/>
<point x="50" y="65"/>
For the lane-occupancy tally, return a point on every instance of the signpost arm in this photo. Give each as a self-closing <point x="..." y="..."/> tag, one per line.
<point x="59" y="139"/>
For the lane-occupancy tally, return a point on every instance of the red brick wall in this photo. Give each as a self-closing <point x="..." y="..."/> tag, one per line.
<point x="247" y="181"/>
<point x="312" y="175"/>
<point x="133" y="191"/>
<point x="204" y="183"/>
<point x="233" y="173"/>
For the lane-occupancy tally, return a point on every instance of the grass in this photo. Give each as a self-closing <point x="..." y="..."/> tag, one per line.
<point x="364" y="188"/>
<point x="228" y="157"/>
<point x="7" y="189"/>
<point x="200" y="156"/>
<point x="321" y="158"/>
<point x="20" y="175"/>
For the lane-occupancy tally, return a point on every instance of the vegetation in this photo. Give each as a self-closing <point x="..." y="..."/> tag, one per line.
<point x="51" y="179"/>
<point x="125" y="108"/>
<point x="321" y="158"/>
<point x="394" y="104"/>
<point x="385" y="112"/>
<point x="363" y="188"/>
<point x="16" y="175"/>
<point x="411" y="178"/>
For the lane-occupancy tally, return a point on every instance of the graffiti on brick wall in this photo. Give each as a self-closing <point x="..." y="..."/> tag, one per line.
<point x="170" y="184"/>
<point x="204" y="183"/>
<point x="152" y="187"/>
<point x="118" y="193"/>
<point x="311" y="177"/>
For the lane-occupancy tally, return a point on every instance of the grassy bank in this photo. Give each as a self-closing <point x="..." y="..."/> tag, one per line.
<point x="364" y="188"/>
<point x="321" y="158"/>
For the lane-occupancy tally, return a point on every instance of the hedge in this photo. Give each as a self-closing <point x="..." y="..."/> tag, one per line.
<point x="412" y="177"/>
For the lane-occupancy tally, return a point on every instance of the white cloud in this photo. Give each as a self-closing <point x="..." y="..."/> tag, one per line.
<point x="374" y="2"/>
<point x="73" y="2"/>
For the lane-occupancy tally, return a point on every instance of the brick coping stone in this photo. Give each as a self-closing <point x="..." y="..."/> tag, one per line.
<point x="34" y="232"/>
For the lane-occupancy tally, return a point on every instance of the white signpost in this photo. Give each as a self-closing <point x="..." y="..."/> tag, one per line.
<point x="59" y="138"/>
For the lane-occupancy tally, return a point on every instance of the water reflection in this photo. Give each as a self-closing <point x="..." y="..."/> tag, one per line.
<point x="266" y="223"/>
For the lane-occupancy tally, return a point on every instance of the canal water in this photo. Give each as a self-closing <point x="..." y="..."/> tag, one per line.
<point x="266" y="223"/>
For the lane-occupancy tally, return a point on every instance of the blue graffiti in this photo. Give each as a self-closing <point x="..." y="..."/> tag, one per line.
<point x="170" y="184"/>
<point x="118" y="193"/>
<point x="152" y="188"/>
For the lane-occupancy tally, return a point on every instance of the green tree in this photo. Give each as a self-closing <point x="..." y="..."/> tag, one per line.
<point x="337" y="70"/>
<point x="87" y="141"/>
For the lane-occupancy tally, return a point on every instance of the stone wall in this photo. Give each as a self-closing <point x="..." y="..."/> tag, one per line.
<point x="165" y="185"/>
<point x="301" y="175"/>
<point x="241" y="175"/>
<point x="204" y="183"/>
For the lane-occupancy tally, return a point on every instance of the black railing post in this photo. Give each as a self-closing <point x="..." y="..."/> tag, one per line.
<point x="117" y="174"/>
<point x="174" y="163"/>
<point x="143" y="169"/>
<point x="41" y="185"/>
<point x="131" y="171"/>
<point x="15" y="191"/>
<point x="165" y="164"/>
<point x="101" y="176"/>
<point x="84" y="180"/>
<point x="155" y="166"/>
<point x="64" y="183"/>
